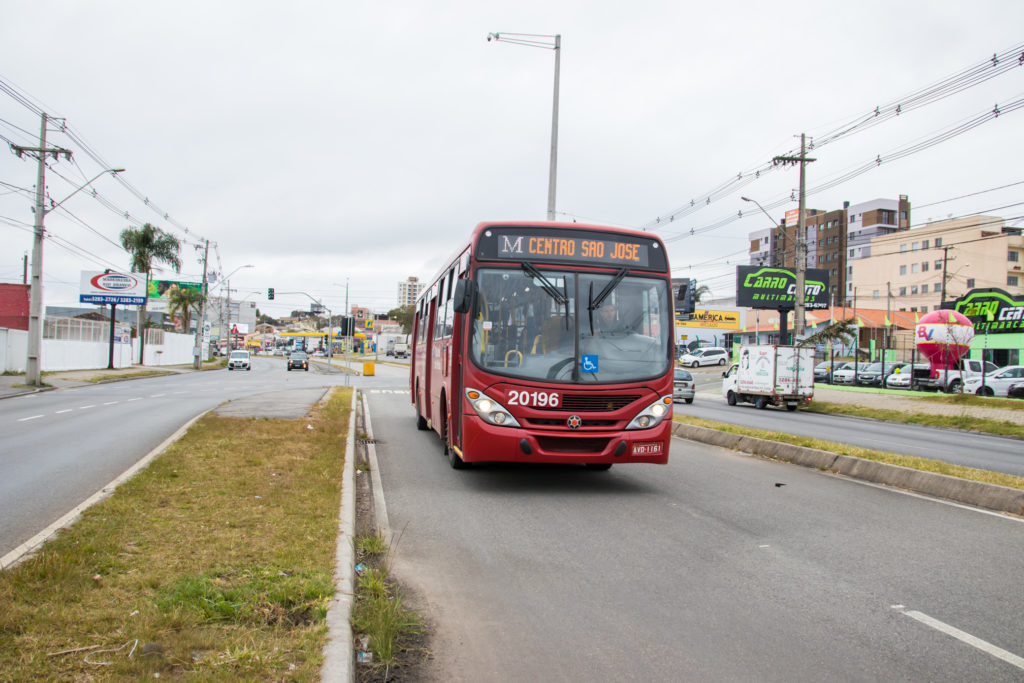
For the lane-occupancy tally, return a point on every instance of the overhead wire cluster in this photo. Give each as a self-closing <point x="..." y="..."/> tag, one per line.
<point x="973" y="76"/>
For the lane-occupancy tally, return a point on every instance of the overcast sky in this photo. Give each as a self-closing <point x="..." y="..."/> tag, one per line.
<point x="360" y="142"/>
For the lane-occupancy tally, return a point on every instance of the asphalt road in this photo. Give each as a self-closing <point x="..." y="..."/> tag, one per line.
<point x="717" y="566"/>
<point x="60" y="447"/>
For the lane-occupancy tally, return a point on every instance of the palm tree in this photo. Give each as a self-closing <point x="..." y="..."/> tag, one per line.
<point x="844" y="331"/>
<point x="182" y="302"/>
<point x="701" y="293"/>
<point x="146" y="245"/>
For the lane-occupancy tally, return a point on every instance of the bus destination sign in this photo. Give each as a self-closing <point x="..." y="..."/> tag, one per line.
<point x="571" y="246"/>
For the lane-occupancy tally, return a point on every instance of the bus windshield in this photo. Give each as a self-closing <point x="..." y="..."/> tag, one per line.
<point x="567" y="326"/>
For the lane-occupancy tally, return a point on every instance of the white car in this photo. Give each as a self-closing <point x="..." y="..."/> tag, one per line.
<point x="239" y="360"/>
<point x="845" y="375"/>
<point x="996" y="384"/>
<point x="709" y="355"/>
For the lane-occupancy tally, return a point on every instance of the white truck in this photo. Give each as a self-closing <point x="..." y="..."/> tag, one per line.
<point x="771" y="375"/>
<point x="950" y="381"/>
<point x="402" y="347"/>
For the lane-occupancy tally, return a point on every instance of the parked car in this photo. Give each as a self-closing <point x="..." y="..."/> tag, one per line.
<point x="951" y="380"/>
<point x="845" y="374"/>
<point x="709" y="355"/>
<point x="239" y="360"/>
<point x="875" y="374"/>
<point x="1016" y="390"/>
<point x="823" y="372"/>
<point x="683" y="389"/>
<point x="908" y="376"/>
<point x="996" y="384"/>
<point x="299" y="361"/>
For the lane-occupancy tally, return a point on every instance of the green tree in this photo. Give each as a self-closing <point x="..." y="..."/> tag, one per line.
<point x="701" y="293"/>
<point x="844" y="331"/>
<point x="404" y="316"/>
<point x="182" y="302"/>
<point x="147" y="245"/>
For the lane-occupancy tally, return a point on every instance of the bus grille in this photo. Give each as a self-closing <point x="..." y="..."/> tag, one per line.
<point x="560" y="422"/>
<point x="556" y="444"/>
<point x="594" y="403"/>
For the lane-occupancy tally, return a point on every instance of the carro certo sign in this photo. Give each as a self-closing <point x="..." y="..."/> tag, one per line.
<point x="113" y="288"/>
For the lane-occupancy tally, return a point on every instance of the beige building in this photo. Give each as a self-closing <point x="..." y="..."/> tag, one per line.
<point x="409" y="291"/>
<point x="918" y="269"/>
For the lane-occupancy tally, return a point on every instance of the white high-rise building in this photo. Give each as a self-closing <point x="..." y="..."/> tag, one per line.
<point x="409" y="291"/>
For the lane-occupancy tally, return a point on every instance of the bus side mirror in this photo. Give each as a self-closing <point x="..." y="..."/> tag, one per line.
<point x="463" y="296"/>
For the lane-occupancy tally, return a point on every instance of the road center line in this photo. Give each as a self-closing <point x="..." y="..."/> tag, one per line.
<point x="26" y="419"/>
<point x="87" y="407"/>
<point x="66" y="410"/>
<point x="965" y="637"/>
<point x="111" y="403"/>
<point x="157" y="395"/>
<point x="137" y="398"/>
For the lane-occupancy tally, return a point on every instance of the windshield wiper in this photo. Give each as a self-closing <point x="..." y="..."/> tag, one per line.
<point x="612" y="284"/>
<point x="546" y="285"/>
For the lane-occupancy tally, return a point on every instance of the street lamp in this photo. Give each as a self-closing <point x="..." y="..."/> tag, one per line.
<point x="546" y="42"/>
<point x="33" y="367"/>
<point x="798" y="299"/>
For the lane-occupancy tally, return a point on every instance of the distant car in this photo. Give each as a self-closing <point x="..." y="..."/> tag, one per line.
<point x="239" y="360"/>
<point x="299" y="361"/>
<point x="996" y="384"/>
<point x="1016" y="390"/>
<point x="279" y="351"/>
<point x="683" y="387"/>
<point x="709" y="355"/>
<point x="907" y="376"/>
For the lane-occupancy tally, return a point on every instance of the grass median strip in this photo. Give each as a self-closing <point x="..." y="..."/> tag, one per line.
<point x="216" y="560"/>
<point x="962" y="421"/>
<point x="910" y="461"/>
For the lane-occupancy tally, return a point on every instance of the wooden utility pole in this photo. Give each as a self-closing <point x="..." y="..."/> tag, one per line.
<point x="800" y="295"/>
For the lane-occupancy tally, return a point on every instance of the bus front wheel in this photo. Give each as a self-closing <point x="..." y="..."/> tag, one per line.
<point x="598" y="466"/>
<point x="421" y="422"/>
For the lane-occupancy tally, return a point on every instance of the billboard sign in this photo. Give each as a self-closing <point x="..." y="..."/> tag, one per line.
<point x="711" y="320"/>
<point x="112" y="288"/>
<point x="159" y="292"/>
<point x="773" y="288"/>
<point x="991" y="310"/>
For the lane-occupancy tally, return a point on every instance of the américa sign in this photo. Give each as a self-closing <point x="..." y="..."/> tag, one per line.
<point x="774" y="288"/>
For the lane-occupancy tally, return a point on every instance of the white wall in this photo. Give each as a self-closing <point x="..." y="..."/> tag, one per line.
<point x="62" y="354"/>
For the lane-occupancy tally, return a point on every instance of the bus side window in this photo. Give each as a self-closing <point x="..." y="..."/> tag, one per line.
<point x="439" y="312"/>
<point x="449" y="316"/>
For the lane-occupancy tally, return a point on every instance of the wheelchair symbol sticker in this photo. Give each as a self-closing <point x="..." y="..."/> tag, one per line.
<point x="588" y="363"/>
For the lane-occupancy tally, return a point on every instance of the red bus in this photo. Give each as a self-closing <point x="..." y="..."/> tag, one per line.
<point x="547" y="343"/>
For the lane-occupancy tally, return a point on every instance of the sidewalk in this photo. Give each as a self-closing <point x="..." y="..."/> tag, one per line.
<point x="14" y="385"/>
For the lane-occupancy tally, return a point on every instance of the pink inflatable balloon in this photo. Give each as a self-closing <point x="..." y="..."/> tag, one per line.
<point x="943" y="337"/>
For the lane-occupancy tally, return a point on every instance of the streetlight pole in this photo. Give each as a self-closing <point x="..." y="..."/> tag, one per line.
<point x="546" y="42"/>
<point x="33" y="366"/>
<point x="227" y="313"/>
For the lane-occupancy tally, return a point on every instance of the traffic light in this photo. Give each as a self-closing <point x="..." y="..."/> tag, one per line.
<point x="270" y="293"/>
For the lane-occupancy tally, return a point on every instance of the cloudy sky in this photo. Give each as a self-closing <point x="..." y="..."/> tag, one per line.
<point x="327" y="143"/>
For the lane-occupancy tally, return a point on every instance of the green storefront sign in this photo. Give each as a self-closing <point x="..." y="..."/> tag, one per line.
<point x="991" y="311"/>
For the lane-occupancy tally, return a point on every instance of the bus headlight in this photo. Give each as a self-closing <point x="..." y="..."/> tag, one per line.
<point x="652" y="415"/>
<point x="490" y="410"/>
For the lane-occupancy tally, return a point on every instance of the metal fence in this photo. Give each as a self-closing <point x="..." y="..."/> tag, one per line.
<point x="79" y="329"/>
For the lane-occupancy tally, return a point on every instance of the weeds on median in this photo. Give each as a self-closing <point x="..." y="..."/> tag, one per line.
<point x="379" y="615"/>
<point x="216" y="560"/>
<point x="912" y="462"/>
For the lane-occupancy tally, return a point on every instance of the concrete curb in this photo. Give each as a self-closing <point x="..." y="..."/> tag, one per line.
<point x="338" y="652"/>
<point x="989" y="496"/>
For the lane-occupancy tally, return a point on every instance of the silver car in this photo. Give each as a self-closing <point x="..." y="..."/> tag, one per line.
<point x="239" y="360"/>
<point x="683" y="388"/>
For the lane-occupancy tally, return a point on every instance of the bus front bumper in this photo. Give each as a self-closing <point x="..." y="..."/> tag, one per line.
<point x="485" y="442"/>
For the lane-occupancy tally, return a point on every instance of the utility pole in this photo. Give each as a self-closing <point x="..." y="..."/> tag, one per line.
<point x="33" y="372"/>
<point x="201" y="322"/>
<point x="801" y="240"/>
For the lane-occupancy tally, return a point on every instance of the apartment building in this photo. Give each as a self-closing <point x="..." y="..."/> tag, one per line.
<point x="917" y="270"/>
<point x="834" y="239"/>
<point x="409" y="291"/>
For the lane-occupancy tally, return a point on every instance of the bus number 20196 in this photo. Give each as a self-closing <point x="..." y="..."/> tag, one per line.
<point x="541" y="399"/>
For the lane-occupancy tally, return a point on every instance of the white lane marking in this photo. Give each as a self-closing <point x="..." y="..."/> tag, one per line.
<point x="87" y="407"/>
<point x="66" y="410"/>
<point x="137" y="398"/>
<point x="157" y="395"/>
<point x="111" y="403"/>
<point x="26" y="419"/>
<point x="963" y="636"/>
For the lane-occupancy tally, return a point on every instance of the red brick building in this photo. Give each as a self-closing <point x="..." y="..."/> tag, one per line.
<point x="14" y="306"/>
